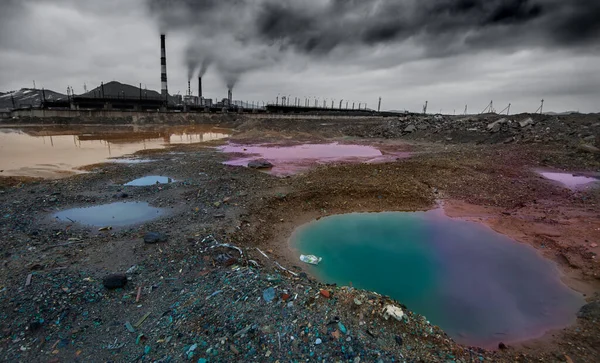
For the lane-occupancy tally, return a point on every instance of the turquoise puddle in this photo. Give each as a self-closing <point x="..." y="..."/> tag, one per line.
<point x="481" y="287"/>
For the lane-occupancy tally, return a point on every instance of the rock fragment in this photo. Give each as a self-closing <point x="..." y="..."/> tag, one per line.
<point x="154" y="237"/>
<point x="115" y="281"/>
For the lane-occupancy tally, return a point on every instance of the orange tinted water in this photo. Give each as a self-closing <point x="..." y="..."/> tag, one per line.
<point x="54" y="152"/>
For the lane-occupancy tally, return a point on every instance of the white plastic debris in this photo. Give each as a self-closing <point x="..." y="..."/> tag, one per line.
<point x="312" y="259"/>
<point x="393" y="311"/>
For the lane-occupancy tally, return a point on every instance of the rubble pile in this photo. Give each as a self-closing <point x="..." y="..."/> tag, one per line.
<point x="488" y="129"/>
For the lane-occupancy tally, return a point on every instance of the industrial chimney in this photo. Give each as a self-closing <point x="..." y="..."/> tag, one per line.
<point x="200" y="89"/>
<point x="230" y="97"/>
<point x="163" y="69"/>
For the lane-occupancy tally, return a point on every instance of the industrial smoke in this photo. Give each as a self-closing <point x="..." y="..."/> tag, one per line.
<point x="239" y="36"/>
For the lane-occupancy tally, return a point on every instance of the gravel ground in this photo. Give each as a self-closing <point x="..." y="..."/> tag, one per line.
<point x="202" y="301"/>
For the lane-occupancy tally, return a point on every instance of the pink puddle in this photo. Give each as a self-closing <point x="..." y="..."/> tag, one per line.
<point x="289" y="160"/>
<point x="569" y="180"/>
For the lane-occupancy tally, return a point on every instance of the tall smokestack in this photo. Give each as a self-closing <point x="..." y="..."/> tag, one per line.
<point x="200" y="88"/>
<point x="230" y="97"/>
<point x="163" y="68"/>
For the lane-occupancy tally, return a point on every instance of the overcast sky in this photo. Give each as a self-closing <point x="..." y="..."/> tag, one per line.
<point x="449" y="52"/>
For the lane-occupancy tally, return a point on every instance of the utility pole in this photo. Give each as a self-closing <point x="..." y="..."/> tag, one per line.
<point x="541" y="108"/>
<point x="507" y="109"/>
<point x="43" y="96"/>
<point x="379" y="106"/>
<point x="466" y="109"/>
<point x="489" y="108"/>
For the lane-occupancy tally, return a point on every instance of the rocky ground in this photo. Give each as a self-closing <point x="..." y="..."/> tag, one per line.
<point x="223" y="286"/>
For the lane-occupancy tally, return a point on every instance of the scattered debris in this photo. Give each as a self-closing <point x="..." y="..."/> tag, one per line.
<point x="269" y="294"/>
<point x="310" y="259"/>
<point x="392" y="311"/>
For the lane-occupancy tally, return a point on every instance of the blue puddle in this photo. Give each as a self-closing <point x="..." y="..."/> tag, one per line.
<point x="114" y="214"/>
<point x="481" y="287"/>
<point x="150" y="180"/>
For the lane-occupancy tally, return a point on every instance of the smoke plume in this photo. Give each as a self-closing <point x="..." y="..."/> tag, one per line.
<point x="239" y="36"/>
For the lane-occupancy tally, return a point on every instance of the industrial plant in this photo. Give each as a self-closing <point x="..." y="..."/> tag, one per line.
<point x="115" y="96"/>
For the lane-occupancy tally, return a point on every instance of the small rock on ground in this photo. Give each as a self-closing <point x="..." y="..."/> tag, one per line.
<point x="115" y="281"/>
<point x="590" y="311"/>
<point x="260" y="164"/>
<point x="154" y="237"/>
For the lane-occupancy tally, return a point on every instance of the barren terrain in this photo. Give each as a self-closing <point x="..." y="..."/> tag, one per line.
<point x="199" y="299"/>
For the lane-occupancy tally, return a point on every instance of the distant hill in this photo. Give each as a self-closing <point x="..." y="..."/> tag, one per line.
<point x="27" y="97"/>
<point x="116" y="89"/>
<point x="566" y="113"/>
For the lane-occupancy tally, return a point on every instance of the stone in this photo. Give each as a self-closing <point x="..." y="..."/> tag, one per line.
<point x="496" y="126"/>
<point x="35" y="326"/>
<point x="526" y="122"/>
<point x="154" y="237"/>
<point x="115" y="281"/>
<point x="260" y="164"/>
<point x="269" y="294"/>
<point x="318" y="341"/>
<point x="325" y="293"/>
<point x="590" y="311"/>
<point x="588" y="148"/>
<point x="410" y="128"/>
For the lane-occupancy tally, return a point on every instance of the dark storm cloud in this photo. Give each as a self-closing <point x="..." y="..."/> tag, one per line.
<point x="440" y="27"/>
<point x="407" y="51"/>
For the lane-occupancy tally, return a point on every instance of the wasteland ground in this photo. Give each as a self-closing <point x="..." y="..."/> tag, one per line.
<point x="198" y="300"/>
